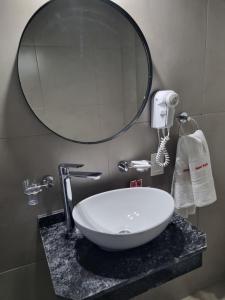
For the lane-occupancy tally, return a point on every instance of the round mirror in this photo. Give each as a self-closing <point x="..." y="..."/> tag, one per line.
<point x="85" y="69"/>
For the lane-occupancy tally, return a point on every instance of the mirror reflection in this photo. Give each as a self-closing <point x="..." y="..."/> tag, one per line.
<point x="84" y="69"/>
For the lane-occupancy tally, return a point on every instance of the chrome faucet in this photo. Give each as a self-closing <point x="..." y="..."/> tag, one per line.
<point x="65" y="175"/>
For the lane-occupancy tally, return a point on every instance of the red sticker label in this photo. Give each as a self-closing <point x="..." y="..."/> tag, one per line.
<point x="201" y="166"/>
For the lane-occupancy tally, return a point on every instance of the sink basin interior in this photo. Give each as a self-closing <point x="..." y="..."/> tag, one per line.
<point x="124" y="211"/>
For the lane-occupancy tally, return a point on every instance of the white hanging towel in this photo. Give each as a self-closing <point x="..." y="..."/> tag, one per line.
<point x="193" y="184"/>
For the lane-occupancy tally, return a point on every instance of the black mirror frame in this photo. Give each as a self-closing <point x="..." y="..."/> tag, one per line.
<point x="150" y="73"/>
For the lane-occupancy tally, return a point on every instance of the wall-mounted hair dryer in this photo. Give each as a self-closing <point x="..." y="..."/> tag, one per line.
<point x="163" y="109"/>
<point x="162" y="117"/>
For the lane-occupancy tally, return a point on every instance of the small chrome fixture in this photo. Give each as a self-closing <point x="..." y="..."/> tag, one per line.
<point x="33" y="189"/>
<point x="65" y="175"/>
<point x="139" y="165"/>
<point x="183" y="117"/>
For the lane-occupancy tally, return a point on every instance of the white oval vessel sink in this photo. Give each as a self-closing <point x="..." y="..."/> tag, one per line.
<point x="125" y="218"/>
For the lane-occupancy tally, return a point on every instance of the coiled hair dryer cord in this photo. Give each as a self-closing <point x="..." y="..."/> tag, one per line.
<point x="162" y="157"/>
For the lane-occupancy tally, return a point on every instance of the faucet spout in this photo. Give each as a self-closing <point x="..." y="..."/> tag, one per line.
<point x="88" y="175"/>
<point x="65" y="178"/>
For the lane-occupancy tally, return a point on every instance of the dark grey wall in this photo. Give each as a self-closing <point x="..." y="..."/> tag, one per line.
<point x="187" y="42"/>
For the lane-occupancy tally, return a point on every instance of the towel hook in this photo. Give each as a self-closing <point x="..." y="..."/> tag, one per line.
<point x="183" y="118"/>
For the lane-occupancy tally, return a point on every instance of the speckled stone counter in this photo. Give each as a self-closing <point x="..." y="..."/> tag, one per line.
<point x="80" y="270"/>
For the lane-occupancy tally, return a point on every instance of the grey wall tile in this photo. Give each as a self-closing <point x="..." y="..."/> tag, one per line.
<point x="15" y="119"/>
<point x="20" y="244"/>
<point x="179" y="288"/>
<point x="176" y="33"/>
<point x="215" y="58"/>
<point x="31" y="282"/>
<point x="211" y="218"/>
<point x="218" y="289"/>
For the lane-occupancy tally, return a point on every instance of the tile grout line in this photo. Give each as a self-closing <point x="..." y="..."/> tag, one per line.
<point x="20" y="267"/>
<point x="135" y="124"/>
<point x="205" y="52"/>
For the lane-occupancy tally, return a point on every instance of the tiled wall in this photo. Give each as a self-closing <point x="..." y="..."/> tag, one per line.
<point x="187" y="42"/>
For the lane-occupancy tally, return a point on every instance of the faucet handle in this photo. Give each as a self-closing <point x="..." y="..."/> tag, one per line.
<point x="48" y="181"/>
<point x="123" y="166"/>
<point x="68" y="165"/>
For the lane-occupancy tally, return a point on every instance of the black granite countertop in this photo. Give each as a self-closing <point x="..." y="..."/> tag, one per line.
<point x="80" y="270"/>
